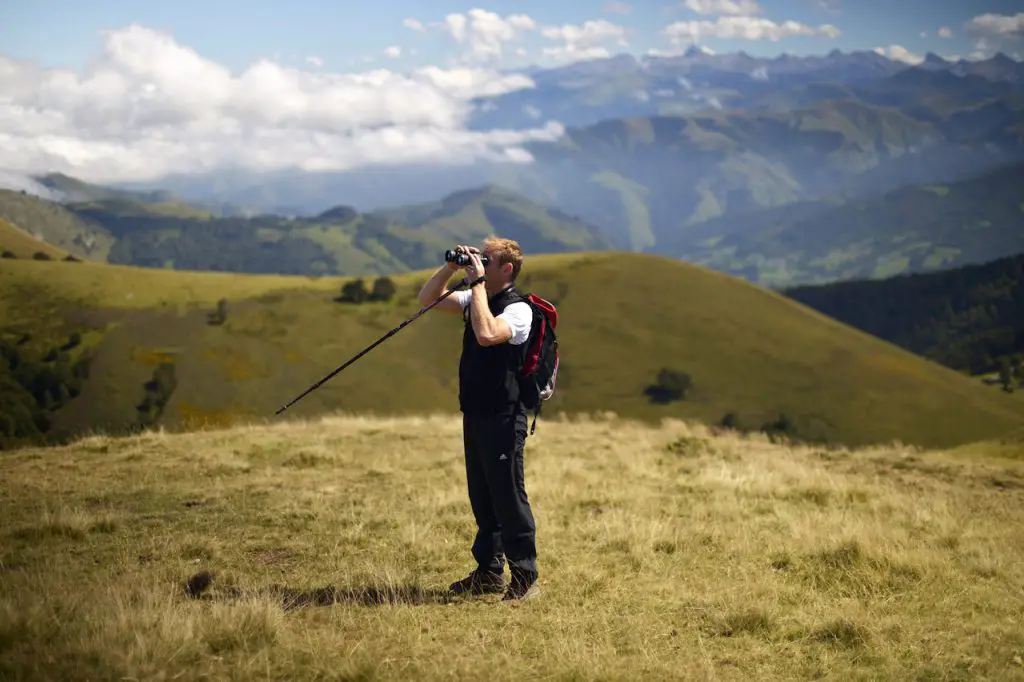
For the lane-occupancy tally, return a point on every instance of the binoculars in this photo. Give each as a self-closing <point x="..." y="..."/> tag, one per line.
<point x="460" y="258"/>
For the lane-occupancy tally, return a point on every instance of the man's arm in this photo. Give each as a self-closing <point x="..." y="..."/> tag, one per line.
<point x="435" y="287"/>
<point x="489" y="330"/>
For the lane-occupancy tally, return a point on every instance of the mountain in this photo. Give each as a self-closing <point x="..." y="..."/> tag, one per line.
<point x="999" y="67"/>
<point x="337" y="241"/>
<point x="645" y="181"/>
<point x="969" y="123"/>
<point x="73" y="190"/>
<point x="969" y="318"/>
<point x="623" y="86"/>
<point x="122" y="348"/>
<point x="912" y="229"/>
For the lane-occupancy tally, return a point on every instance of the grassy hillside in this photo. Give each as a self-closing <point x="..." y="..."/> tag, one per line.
<point x="633" y="329"/>
<point x="16" y="243"/>
<point x="339" y="241"/>
<point x="913" y="229"/>
<point x="664" y="553"/>
<point x="969" y="318"/>
<point x="55" y="224"/>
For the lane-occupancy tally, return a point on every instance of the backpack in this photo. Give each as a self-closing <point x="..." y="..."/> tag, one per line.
<point x="539" y="372"/>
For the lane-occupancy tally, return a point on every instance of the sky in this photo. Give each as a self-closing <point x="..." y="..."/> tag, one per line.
<point x="348" y="36"/>
<point x="114" y="90"/>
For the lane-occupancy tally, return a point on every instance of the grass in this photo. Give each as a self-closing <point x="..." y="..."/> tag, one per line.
<point x="321" y="549"/>
<point x="24" y="245"/>
<point x="748" y="351"/>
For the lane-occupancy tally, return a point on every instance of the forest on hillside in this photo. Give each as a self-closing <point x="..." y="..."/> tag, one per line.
<point x="969" y="318"/>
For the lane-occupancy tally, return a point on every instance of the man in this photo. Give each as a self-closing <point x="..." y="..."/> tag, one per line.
<point x="498" y="323"/>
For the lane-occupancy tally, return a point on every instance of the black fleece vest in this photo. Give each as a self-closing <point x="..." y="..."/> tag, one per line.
<point x="488" y="383"/>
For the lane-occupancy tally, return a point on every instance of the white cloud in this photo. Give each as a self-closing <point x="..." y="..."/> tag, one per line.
<point x="583" y="41"/>
<point x="466" y="83"/>
<point x="392" y="51"/>
<point x="899" y="53"/>
<point x="945" y="32"/>
<point x="720" y="7"/>
<point x="485" y="33"/>
<point x="587" y="34"/>
<point x="743" y="28"/>
<point x="414" y="25"/>
<point x="998" y="25"/>
<point x="148" y="106"/>
<point x="314" y="61"/>
<point x="565" y="54"/>
<point x="616" y="7"/>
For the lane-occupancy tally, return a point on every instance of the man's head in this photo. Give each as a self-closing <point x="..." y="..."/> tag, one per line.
<point x="506" y="260"/>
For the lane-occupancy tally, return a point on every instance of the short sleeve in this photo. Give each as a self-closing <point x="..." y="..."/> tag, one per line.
<point x="463" y="297"/>
<point x="519" y="317"/>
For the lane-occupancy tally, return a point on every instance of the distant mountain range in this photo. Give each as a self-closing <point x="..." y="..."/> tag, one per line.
<point x="594" y="94"/>
<point x="748" y="165"/>
<point x="585" y="93"/>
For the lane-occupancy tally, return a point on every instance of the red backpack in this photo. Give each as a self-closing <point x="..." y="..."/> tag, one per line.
<point x="539" y="373"/>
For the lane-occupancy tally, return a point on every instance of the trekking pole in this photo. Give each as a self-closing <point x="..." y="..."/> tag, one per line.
<point x="376" y="343"/>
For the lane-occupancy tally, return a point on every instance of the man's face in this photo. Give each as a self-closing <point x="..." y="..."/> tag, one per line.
<point x="493" y="267"/>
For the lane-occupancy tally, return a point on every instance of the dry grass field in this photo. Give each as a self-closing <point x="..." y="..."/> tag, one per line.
<point x="666" y="552"/>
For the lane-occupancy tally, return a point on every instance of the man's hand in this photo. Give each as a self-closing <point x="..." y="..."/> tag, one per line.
<point x="475" y="268"/>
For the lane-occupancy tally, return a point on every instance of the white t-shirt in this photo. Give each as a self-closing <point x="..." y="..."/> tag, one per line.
<point x="518" y="315"/>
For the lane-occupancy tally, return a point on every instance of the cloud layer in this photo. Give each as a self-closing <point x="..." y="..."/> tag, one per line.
<point x="743" y="28"/>
<point x="148" y="106"/>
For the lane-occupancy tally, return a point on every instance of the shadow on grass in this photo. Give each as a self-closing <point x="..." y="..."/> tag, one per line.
<point x="198" y="585"/>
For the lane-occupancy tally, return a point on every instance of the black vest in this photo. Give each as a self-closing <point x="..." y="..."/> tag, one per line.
<point x="488" y="383"/>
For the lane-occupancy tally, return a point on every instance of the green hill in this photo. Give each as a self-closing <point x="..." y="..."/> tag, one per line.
<point x="16" y="243"/>
<point x="112" y="347"/>
<point x="77" y="191"/>
<point x="339" y="241"/>
<point x="55" y="224"/>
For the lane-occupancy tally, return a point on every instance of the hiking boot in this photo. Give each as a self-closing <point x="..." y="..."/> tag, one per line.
<point x="479" y="582"/>
<point x="521" y="589"/>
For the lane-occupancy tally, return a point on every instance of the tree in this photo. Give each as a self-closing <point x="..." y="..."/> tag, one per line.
<point x="1006" y="375"/>
<point x="383" y="289"/>
<point x="353" y="292"/>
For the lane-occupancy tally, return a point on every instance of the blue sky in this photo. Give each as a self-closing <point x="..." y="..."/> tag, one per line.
<point x="350" y="36"/>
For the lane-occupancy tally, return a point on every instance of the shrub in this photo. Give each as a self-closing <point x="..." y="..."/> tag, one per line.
<point x="671" y="385"/>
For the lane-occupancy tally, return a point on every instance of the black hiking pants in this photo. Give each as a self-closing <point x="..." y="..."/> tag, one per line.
<point x="497" y="492"/>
